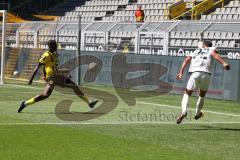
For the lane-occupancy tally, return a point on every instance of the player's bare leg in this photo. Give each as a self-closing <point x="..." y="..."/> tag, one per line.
<point x="46" y="93"/>
<point x="184" y="105"/>
<point x="200" y="104"/>
<point x="70" y="84"/>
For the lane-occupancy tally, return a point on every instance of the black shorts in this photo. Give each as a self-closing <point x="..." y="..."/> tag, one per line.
<point x="50" y="82"/>
<point x="58" y="80"/>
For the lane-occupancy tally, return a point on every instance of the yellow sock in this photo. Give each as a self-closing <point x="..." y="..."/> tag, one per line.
<point x="86" y="99"/>
<point x="30" y="102"/>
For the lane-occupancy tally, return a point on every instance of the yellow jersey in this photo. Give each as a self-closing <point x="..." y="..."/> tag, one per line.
<point x="50" y="61"/>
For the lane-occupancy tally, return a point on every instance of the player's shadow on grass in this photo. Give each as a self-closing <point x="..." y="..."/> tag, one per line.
<point x="60" y="113"/>
<point x="46" y="113"/>
<point x="207" y="128"/>
<point x="38" y="112"/>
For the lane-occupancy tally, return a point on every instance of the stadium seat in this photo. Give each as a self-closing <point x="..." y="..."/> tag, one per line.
<point x="226" y="44"/>
<point x="214" y="17"/>
<point x="195" y="43"/>
<point x="232" y="44"/>
<point x="172" y="42"/>
<point x="235" y="17"/>
<point x="154" y="11"/>
<point x="235" y="36"/>
<point x="189" y="42"/>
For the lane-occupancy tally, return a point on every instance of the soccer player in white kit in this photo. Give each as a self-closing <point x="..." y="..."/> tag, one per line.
<point x="200" y="70"/>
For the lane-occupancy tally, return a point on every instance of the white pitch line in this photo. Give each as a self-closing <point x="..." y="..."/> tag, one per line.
<point x="21" y="86"/>
<point x="146" y="103"/>
<point x="171" y="106"/>
<point x="117" y="123"/>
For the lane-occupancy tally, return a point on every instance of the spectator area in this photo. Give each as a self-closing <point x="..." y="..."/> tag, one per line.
<point x="228" y="12"/>
<point x="108" y="23"/>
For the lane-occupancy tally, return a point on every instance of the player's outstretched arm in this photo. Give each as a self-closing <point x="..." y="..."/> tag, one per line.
<point x="186" y="61"/>
<point x="220" y="60"/>
<point x="34" y="73"/>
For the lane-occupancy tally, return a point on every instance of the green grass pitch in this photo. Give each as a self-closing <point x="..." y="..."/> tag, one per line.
<point x="126" y="133"/>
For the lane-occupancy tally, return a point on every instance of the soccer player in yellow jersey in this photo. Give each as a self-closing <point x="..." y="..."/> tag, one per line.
<point x="49" y="61"/>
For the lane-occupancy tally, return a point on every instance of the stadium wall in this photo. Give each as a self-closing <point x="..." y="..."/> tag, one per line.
<point x="119" y="69"/>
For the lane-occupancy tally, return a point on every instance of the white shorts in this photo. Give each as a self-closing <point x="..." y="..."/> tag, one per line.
<point x="199" y="80"/>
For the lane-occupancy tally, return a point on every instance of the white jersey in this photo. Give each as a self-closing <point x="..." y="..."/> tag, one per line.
<point x="201" y="60"/>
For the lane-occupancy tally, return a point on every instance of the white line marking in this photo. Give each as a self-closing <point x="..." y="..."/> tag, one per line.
<point x="21" y="86"/>
<point x="171" y="106"/>
<point x="146" y="103"/>
<point x="118" y="123"/>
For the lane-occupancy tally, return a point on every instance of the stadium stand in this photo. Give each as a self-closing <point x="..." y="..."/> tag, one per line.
<point x="228" y="12"/>
<point x="123" y="10"/>
<point x="14" y="19"/>
<point x="62" y="8"/>
<point x="26" y="9"/>
<point x="108" y="24"/>
<point x="101" y="35"/>
<point x="120" y="10"/>
<point x="222" y="35"/>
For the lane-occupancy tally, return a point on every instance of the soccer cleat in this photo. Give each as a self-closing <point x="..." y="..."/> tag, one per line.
<point x="198" y="116"/>
<point x="22" y="106"/>
<point x="179" y="120"/>
<point x="93" y="103"/>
